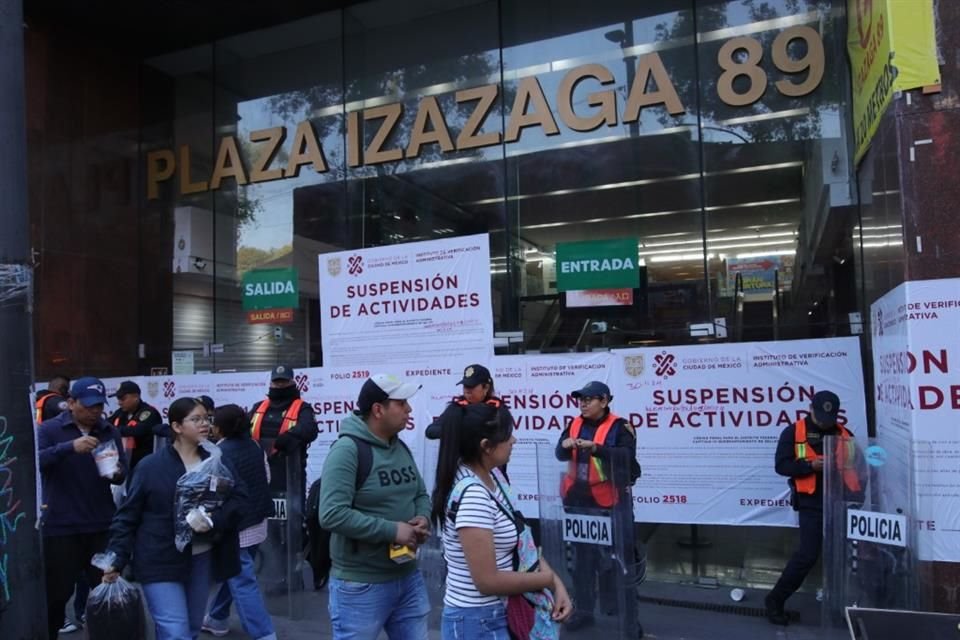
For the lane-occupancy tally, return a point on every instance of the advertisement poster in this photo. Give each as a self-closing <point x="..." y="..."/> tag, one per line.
<point x="915" y="353"/>
<point x="413" y="302"/>
<point x="759" y="275"/>
<point x="708" y="418"/>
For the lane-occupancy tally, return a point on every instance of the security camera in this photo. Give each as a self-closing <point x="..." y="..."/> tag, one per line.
<point x="598" y="327"/>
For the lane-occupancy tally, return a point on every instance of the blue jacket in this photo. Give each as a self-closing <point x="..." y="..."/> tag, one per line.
<point x="75" y="498"/>
<point x="142" y="530"/>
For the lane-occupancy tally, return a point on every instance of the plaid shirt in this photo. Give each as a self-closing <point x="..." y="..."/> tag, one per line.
<point x="253" y="535"/>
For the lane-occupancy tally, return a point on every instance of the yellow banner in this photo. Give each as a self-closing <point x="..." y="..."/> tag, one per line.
<point x="892" y="46"/>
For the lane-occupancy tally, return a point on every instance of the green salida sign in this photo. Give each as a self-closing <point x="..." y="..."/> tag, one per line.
<point x="597" y="264"/>
<point x="271" y="289"/>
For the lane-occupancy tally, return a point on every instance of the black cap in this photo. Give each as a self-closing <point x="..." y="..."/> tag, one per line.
<point x="593" y="389"/>
<point x="127" y="386"/>
<point x="476" y="374"/>
<point x="207" y="402"/>
<point x="281" y="372"/>
<point x="826" y="406"/>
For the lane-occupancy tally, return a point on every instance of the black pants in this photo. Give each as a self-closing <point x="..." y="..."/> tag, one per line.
<point x="805" y="556"/>
<point x="65" y="558"/>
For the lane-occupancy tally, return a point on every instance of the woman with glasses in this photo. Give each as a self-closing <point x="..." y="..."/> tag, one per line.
<point x="486" y="544"/>
<point x="176" y="583"/>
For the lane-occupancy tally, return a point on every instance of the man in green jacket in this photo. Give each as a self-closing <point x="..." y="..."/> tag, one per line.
<point x="376" y="526"/>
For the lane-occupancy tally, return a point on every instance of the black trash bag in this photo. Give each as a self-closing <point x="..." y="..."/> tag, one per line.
<point x="203" y="489"/>
<point x="114" y="610"/>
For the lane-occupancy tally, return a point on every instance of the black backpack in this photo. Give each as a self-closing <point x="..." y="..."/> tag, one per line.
<point x="318" y="550"/>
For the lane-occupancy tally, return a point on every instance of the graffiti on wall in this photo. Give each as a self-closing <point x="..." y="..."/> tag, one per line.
<point x="11" y="512"/>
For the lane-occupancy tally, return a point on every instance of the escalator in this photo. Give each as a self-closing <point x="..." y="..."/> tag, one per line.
<point x="757" y="314"/>
<point x="561" y="330"/>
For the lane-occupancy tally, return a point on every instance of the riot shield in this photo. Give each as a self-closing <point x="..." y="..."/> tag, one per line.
<point x="868" y="537"/>
<point x="586" y="534"/>
<point x="280" y="557"/>
<point x="430" y="559"/>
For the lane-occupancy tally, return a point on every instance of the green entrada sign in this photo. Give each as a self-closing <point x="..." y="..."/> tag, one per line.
<point x="597" y="264"/>
<point x="271" y="289"/>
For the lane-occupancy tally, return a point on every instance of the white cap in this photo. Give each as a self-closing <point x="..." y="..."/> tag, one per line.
<point x="395" y="388"/>
<point x="382" y="387"/>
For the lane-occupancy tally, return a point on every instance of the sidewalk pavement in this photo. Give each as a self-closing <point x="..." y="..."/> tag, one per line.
<point x="704" y="615"/>
<point x="667" y="611"/>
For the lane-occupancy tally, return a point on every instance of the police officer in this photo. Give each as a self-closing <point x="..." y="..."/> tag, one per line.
<point x="477" y="387"/>
<point x="602" y="450"/>
<point x="800" y="458"/>
<point x="283" y="424"/>
<point x="135" y="419"/>
<point x="51" y="401"/>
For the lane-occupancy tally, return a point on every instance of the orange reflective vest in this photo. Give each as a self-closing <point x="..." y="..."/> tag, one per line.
<point x="601" y="488"/>
<point x="129" y="443"/>
<point x="493" y="401"/>
<point x="287" y="422"/>
<point x="38" y="406"/>
<point x="845" y="459"/>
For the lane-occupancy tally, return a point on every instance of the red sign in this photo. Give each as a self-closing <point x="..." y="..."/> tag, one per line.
<point x="600" y="298"/>
<point x="270" y="316"/>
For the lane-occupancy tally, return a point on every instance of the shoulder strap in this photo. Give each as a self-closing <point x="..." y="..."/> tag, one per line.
<point x="364" y="459"/>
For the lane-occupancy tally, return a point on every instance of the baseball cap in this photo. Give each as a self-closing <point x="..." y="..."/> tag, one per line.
<point x="89" y="391"/>
<point x="826" y="406"/>
<point x="281" y="372"/>
<point x="127" y="386"/>
<point x="476" y="374"/>
<point x="382" y="387"/>
<point x="593" y="389"/>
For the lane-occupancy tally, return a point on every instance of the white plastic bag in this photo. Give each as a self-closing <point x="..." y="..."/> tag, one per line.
<point x="206" y="487"/>
<point x="107" y="457"/>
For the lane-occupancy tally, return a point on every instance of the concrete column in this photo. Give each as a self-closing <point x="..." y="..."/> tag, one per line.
<point x="22" y="599"/>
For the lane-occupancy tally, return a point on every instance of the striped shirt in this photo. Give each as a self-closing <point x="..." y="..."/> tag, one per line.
<point x="477" y="509"/>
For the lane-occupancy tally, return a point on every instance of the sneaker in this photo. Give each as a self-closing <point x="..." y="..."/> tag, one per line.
<point x="217" y="628"/>
<point x="69" y="626"/>
<point x="775" y="613"/>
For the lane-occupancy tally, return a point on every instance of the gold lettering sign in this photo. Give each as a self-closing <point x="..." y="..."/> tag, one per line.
<point x="741" y="81"/>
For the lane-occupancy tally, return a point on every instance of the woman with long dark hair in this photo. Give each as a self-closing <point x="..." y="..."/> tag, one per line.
<point x="176" y="583"/>
<point x="483" y="534"/>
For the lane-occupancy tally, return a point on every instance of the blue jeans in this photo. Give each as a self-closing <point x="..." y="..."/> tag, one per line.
<point x="177" y="607"/>
<point x="250" y="607"/>
<point x="360" y="610"/>
<point x="475" y="623"/>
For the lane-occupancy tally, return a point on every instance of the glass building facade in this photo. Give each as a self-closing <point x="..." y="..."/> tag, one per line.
<point x="716" y="134"/>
